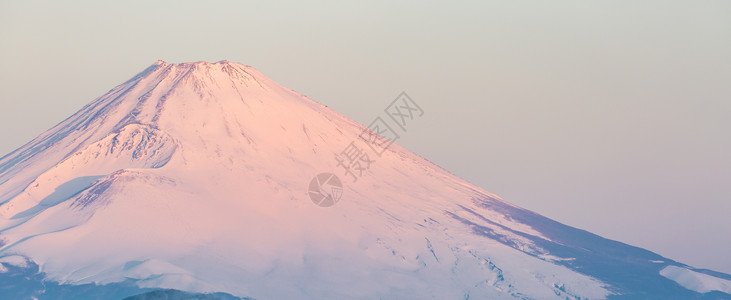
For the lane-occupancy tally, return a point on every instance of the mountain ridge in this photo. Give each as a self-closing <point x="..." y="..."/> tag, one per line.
<point x="193" y="177"/>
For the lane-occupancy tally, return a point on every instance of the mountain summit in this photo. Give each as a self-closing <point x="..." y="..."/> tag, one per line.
<point x="195" y="177"/>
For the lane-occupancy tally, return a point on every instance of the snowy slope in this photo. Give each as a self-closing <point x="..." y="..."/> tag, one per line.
<point x="194" y="177"/>
<point x="699" y="282"/>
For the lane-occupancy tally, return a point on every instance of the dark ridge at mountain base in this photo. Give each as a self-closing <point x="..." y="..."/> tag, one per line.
<point x="179" y="295"/>
<point x="20" y="283"/>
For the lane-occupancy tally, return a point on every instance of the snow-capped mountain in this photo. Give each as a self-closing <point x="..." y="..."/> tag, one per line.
<point x="195" y="177"/>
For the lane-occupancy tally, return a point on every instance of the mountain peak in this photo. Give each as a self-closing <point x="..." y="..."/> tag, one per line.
<point x="223" y="62"/>
<point x="194" y="176"/>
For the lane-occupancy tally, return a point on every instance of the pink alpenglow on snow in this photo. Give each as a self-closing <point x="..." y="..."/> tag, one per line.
<point x="195" y="177"/>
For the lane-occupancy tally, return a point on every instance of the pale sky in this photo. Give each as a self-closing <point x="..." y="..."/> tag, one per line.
<point x="610" y="116"/>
